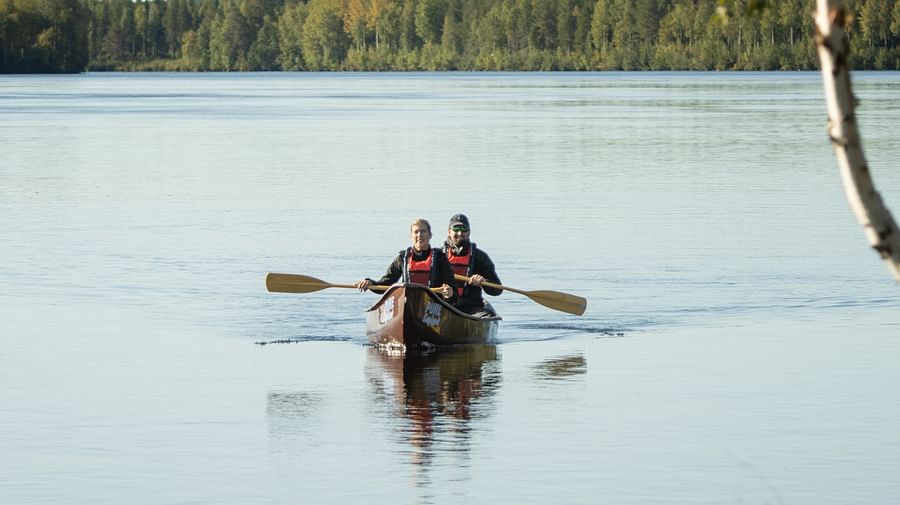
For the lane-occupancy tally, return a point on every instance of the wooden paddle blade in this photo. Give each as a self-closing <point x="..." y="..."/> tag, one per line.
<point x="296" y="283"/>
<point x="293" y="283"/>
<point x="563" y="302"/>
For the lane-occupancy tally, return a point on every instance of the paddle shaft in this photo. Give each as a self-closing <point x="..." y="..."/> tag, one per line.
<point x="492" y="285"/>
<point x="295" y="283"/>
<point x="556" y="300"/>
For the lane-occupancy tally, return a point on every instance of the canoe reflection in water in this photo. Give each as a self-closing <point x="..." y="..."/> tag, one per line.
<point x="442" y="395"/>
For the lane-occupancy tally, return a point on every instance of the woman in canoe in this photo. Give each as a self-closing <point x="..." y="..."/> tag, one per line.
<point x="420" y="264"/>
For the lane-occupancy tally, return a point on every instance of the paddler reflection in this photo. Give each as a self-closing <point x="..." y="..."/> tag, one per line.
<point x="441" y="395"/>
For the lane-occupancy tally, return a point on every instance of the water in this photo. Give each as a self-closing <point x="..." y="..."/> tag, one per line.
<point x="739" y="344"/>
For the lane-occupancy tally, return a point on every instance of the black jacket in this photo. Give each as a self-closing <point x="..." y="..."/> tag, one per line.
<point x="441" y="271"/>
<point x="480" y="264"/>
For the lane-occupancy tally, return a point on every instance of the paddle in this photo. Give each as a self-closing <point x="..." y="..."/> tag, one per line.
<point x="294" y="283"/>
<point x="562" y="302"/>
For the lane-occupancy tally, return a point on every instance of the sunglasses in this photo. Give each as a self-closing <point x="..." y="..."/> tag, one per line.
<point x="460" y="229"/>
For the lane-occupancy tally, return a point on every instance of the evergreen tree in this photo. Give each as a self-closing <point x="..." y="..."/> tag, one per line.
<point x="601" y="25"/>
<point x="430" y="19"/>
<point x="582" y="36"/>
<point x="264" y="52"/>
<point x="324" y="40"/>
<point x="409" y="40"/>
<point x="141" y="15"/>
<point x="290" y="37"/>
<point x="564" y="24"/>
<point x="895" y="22"/>
<point x="543" y="22"/>
<point x="155" y="29"/>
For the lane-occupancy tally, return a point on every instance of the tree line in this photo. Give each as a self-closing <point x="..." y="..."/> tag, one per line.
<point x="241" y="35"/>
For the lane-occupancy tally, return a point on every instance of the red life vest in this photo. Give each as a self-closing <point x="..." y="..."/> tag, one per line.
<point x="460" y="265"/>
<point x="419" y="272"/>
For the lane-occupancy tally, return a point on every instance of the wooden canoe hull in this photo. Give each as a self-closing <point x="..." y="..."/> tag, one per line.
<point x="411" y="315"/>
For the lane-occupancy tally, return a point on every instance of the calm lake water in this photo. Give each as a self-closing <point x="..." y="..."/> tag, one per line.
<point x="740" y="343"/>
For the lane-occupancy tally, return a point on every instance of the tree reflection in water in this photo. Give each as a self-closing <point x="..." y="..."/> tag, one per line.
<point x="561" y="368"/>
<point x="439" y="394"/>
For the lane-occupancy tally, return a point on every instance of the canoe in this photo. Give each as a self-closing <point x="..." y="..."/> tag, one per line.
<point x="410" y="315"/>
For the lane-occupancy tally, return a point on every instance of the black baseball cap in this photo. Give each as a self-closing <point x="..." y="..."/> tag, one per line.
<point x="459" y="219"/>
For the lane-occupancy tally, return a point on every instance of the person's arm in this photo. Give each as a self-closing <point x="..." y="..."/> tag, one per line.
<point x="485" y="267"/>
<point x="445" y="275"/>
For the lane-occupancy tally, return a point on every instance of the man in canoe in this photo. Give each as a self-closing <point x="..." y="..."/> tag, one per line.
<point x="470" y="261"/>
<point x="420" y="264"/>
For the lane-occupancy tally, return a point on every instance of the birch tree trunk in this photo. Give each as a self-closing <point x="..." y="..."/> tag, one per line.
<point x="833" y="47"/>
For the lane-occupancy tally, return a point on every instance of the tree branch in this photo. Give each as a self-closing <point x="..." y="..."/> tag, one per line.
<point x="833" y="48"/>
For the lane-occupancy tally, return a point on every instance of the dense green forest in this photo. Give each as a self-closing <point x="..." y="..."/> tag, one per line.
<point x="236" y="35"/>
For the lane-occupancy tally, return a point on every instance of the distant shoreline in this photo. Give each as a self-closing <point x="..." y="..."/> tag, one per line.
<point x="424" y="35"/>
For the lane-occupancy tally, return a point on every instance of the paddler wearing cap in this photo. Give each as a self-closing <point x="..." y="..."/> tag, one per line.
<point x="468" y="260"/>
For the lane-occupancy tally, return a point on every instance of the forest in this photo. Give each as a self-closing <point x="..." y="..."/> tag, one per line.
<point x="407" y="35"/>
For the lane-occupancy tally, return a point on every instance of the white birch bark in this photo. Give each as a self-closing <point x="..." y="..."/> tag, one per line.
<point x="833" y="48"/>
